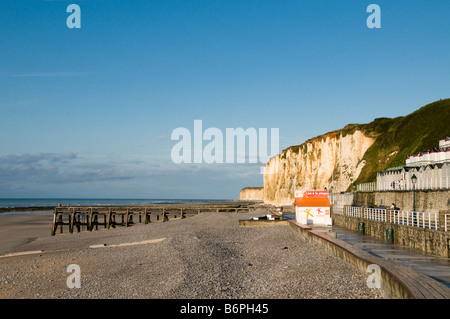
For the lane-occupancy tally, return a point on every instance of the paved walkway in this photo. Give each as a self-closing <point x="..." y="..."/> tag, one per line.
<point x="433" y="266"/>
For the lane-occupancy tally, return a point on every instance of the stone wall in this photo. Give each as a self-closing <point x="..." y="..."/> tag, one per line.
<point x="426" y="201"/>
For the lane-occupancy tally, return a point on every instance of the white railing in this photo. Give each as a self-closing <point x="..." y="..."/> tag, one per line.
<point x="339" y="201"/>
<point x="397" y="183"/>
<point x="375" y="214"/>
<point x="353" y="211"/>
<point x="429" y="220"/>
<point x="367" y="187"/>
<point x="418" y="219"/>
<point x="338" y="209"/>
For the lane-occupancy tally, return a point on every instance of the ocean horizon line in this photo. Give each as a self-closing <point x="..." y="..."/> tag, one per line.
<point x="107" y="198"/>
<point x="48" y="202"/>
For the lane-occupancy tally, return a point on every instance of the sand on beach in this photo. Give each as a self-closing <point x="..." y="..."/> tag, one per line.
<point x="204" y="256"/>
<point x="18" y="229"/>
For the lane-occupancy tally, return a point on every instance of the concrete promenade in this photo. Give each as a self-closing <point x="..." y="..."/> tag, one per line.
<point x="435" y="267"/>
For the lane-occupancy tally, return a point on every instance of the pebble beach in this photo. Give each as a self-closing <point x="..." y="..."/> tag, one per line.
<point x="207" y="256"/>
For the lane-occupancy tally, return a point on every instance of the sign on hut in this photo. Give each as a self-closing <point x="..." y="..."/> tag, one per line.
<point x="312" y="207"/>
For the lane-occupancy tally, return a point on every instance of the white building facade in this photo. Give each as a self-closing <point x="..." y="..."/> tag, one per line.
<point x="432" y="169"/>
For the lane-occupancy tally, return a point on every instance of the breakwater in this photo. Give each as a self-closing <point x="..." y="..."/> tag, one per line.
<point x="90" y="218"/>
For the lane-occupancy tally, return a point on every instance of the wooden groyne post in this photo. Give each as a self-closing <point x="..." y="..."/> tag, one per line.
<point x="88" y="218"/>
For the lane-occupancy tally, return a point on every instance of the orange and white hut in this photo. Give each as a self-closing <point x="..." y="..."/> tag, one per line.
<point x="312" y="207"/>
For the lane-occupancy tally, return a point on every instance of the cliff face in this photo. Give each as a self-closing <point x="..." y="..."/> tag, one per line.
<point x="331" y="159"/>
<point x="355" y="153"/>
<point x="252" y="193"/>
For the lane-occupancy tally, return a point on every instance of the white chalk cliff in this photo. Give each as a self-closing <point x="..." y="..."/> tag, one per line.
<point x="333" y="159"/>
<point x="252" y="193"/>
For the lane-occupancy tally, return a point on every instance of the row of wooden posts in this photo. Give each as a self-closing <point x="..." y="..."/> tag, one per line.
<point x="90" y="218"/>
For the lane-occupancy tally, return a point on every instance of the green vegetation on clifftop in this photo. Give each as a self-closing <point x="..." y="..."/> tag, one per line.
<point x="403" y="136"/>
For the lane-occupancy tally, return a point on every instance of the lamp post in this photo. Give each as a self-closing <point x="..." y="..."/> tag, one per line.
<point x="354" y="188"/>
<point x="331" y="192"/>
<point x="414" y="181"/>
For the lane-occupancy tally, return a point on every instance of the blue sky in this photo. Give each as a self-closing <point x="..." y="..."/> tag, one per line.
<point x="89" y="112"/>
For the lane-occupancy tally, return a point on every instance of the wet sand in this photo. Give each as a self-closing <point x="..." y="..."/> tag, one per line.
<point x="18" y="229"/>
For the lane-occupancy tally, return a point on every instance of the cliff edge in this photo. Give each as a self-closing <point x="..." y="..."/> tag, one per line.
<point x="353" y="154"/>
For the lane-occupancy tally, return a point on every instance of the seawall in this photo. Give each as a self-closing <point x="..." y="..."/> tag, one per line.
<point x="426" y="201"/>
<point x="426" y="240"/>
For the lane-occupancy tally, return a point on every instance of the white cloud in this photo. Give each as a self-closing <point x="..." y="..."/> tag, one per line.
<point x="75" y="175"/>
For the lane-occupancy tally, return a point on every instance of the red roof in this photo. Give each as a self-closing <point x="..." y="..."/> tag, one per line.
<point x="312" y="202"/>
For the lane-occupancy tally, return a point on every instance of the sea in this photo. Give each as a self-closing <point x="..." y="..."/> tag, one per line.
<point x="73" y="202"/>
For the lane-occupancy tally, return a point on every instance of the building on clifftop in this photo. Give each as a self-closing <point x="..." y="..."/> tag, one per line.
<point x="431" y="167"/>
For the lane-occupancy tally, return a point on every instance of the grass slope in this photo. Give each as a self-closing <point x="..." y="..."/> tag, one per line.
<point x="404" y="136"/>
